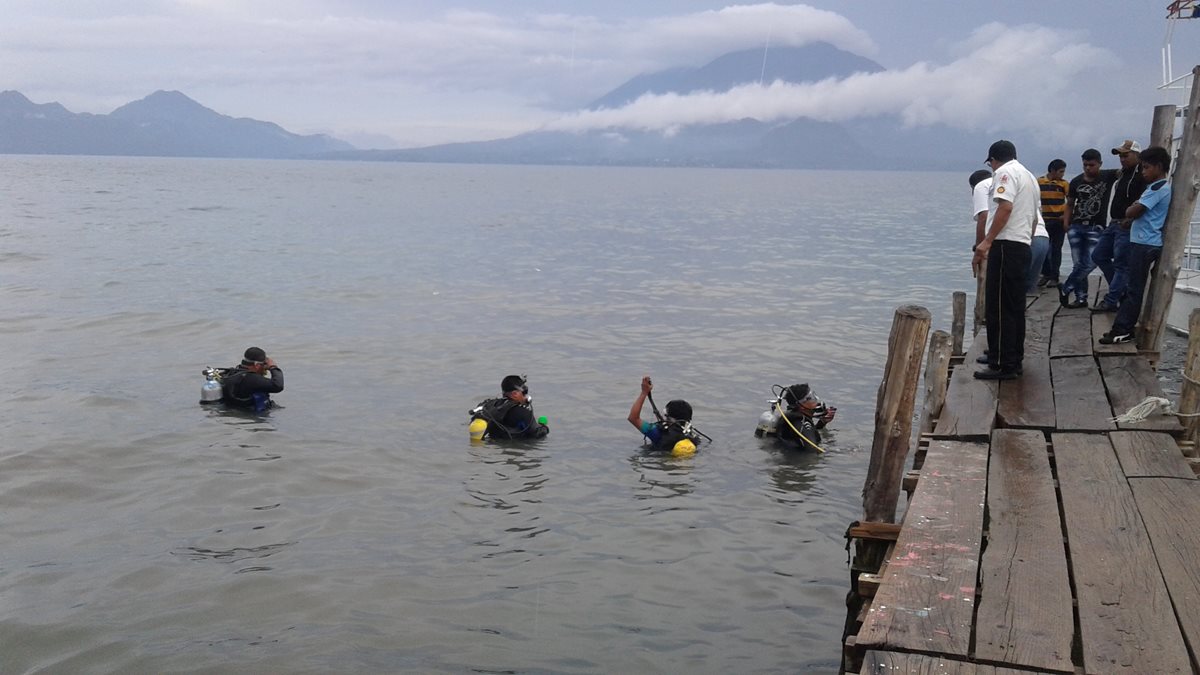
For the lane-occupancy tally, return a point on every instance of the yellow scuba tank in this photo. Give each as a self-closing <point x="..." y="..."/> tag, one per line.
<point x="478" y="428"/>
<point x="684" y="448"/>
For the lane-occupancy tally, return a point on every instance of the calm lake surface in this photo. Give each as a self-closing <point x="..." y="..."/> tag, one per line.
<point x="356" y="529"/>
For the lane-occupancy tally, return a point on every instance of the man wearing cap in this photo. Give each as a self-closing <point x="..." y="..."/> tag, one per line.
<point x="246" y="386"/>
<point x="511" y="415"/>
<point x="1005" y="248"/>
<point x="1110" y="253"/>
<point x="1084" y="219"/>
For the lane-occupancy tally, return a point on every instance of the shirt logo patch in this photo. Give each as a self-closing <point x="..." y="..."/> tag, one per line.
<point x="1000" y="190"/>
<point x="1004" y="178"/>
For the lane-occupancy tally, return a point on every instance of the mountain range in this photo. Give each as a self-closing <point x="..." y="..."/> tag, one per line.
<point x="165" y="123"/>
<point x="169" y="123"/>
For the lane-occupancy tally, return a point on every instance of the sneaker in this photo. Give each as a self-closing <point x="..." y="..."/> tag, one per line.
<point x="1115" y="337"/>
<point x="1104" y="307"/>
<point x="982" y="360"/>
<point x="1042" y="282"/>
<point x="1079" y="302"/>
<point x="1064" y="298"/>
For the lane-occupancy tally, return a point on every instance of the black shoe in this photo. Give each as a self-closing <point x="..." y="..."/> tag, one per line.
<point x="1104" y="307"/>
<point x="1077" y="304"/>
<point x="982" y="359"/>
<point x="998" y="374"/>
<point x="1114" y="337"/>
<point x="1041" y="283"/>
<point x="1064" y="298"/>
<point x="1052" y="283"/>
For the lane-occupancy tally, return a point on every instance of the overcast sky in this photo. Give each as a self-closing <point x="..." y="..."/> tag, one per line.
<point x="419" y="72"/>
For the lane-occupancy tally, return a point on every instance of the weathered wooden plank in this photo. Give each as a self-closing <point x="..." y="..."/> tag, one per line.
<point x="1079" y="400"/>
<point x="892" y="663"/>
<point x="1025" y="614"/>
<point x="1072" y="334"/>
<point x="927" y="597"/>
<point x="1170" y="509"/>
<point x="1144" y="453"/>
<point x="1129" y="379"/>
<point x="1102" y="322"/>
<point x="1028" y="401"/>
<point x="970" y="407"/>
<point x="1125" y="613"/>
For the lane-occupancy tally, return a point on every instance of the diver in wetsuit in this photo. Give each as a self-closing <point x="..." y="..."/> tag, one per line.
<point x="672" y="432"/>
<point x="806" y="413"/>
<point x="510" y="416"/>
<point x="246" y="386"/>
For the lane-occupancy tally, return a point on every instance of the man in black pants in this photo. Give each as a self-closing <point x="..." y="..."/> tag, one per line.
<point x="1005" y="247"/>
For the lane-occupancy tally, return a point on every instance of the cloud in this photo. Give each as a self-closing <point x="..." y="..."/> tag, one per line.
<point x="1004" y="78"/>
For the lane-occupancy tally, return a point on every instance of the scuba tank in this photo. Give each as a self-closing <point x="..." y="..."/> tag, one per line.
<point x="768" y="421"/>
<point x="210" y="391"/>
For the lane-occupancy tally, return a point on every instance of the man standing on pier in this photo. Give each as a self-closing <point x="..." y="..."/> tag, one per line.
<point x="1005" y="247"/>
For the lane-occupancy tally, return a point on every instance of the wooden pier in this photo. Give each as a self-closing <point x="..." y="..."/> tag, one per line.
<point x="1040" y="535"/>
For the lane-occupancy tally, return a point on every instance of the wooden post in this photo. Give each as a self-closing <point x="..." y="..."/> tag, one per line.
<point x="894" y="412"/>
<point x="980" y="278"/>
<point x="937" y="375"/>
<point x="959" y="324"/>
<point x="1189" y="392"/>
<point x="1162" y="129"/>
<point x="1184" y="187"/>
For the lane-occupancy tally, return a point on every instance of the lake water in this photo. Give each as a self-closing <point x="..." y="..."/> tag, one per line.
<point x="356" y="529"/>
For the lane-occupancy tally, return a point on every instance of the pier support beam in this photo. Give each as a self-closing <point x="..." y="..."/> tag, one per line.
<point x="937" y="376"/>
<point x="1189" y="392"/>
<point x="894" y="413"/>
<point x="1185" y="186"/>
<point x="1162" y="129"/>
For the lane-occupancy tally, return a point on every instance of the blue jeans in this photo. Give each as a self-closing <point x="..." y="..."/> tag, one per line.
<point x="1082" y="240"/>
<point x="1037" y="256"/>
<point x="1111" y="256"/>
<point x="1141" y="257"/>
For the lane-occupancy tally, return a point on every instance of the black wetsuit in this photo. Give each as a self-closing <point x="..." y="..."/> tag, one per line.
<point x="805" y="424"/>
<point x="508" y="419"/>
<point x="238" y="386"/>
<point x="664" y="435"/>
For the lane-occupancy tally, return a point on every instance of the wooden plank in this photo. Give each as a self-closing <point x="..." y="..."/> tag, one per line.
<point x="970" y="407"/>
<point x="1125" y="614"/>
<point x="1072" y="334"/>
<point x="1079" y="400"/>
<point x="1028" y="401"/>
<point x="1170" y="509"/>
<point x="1129" y="379"/>
<point x="892" y="663"/>
<point x="1102" y="322"/>
<point x="1143" y="453"/>
<point x="1025" y="613"/>
<point x="927" y="597"/>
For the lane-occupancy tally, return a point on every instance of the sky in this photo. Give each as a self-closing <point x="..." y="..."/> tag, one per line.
<point x="399" y="73"/>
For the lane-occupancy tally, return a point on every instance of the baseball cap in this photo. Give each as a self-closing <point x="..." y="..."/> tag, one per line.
<point x="1127" y="146"/>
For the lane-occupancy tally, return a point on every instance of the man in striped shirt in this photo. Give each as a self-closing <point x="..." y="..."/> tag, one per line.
<point x="1054" y="203"/>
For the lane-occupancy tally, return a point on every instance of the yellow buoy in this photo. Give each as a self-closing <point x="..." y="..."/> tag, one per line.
<point x="684" y="448"/>
<point x="478" y="428"/>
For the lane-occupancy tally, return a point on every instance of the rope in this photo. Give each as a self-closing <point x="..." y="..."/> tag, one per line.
<point x="1150" y="406"/>
<point x="789" y="423"/>
<point x="1188" y="379"/>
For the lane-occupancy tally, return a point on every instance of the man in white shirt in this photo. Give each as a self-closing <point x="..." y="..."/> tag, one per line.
<point x="1005" y="248"/>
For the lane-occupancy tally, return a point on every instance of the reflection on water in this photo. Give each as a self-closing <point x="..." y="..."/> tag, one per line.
<point x="661" y="475"/>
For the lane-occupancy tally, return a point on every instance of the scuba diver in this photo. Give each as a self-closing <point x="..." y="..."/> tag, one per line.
<point x="796" y="426"/>
<point x="247" y="384"/>
<point x="673" y="432"/>
<point x="510" y="416"/>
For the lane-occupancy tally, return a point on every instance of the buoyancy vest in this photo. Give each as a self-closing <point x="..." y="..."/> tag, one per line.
<point x="495" y="410"/>
<point x="231" y="380"/>
<point x="670" y="433"/>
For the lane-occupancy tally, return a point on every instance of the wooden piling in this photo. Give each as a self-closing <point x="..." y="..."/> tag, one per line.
<point x="1184" y="188"/>
<point x="959" y="324"/>
<point x="1189" y="392"/>
<point x="937" y="375"/>
<point x="1162" y="129"/>
<point x="893" y="413"/>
